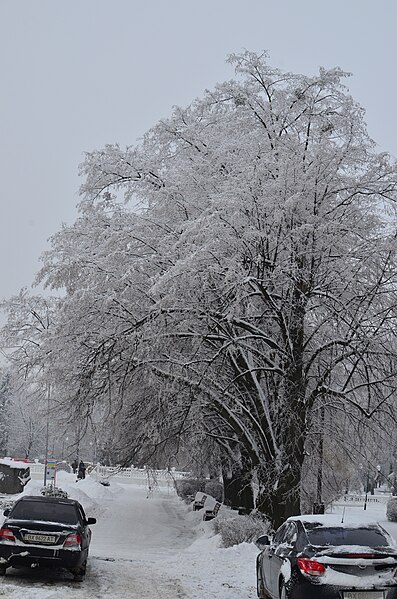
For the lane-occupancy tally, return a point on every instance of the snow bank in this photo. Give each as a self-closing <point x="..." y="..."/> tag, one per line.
<point x="208" y="570"/>
<point x="90" y="493"/>
<point x="205" y="568"/>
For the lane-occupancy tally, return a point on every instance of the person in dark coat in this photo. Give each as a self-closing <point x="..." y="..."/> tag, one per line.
<point x="81" y="473"/>
<point x="74" y="465"/>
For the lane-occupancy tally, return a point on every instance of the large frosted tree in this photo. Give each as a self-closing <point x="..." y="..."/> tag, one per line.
<point x="254" y="272"/>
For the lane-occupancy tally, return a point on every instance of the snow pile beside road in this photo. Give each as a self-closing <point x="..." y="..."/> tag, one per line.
<point x="208" y="570"/>
<point x="88" y="492"/>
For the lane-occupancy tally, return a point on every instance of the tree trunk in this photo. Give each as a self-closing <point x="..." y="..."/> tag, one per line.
<point x="281" y="481"/>
<point x="238" y="491"/>
<point x="281" y="501"/>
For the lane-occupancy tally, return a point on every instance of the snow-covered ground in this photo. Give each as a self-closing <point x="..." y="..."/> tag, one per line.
<point x="141" y="548"/>
<point x="148" y="548"/>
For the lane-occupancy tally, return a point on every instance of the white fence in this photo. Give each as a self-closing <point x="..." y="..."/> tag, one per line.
<point x="358" y="500"/>
<point x="142" y="476"/>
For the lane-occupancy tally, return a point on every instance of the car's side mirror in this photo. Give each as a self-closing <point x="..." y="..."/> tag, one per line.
<point x="6" y="512"/>
<point x="91" y="520"/>
<point x="262" y="542"/>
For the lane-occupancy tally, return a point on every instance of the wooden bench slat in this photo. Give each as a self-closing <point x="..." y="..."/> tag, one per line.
<point x="211" y="514"/>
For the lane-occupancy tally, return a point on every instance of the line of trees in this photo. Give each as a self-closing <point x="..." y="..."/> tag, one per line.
<point x="246" y="282"/>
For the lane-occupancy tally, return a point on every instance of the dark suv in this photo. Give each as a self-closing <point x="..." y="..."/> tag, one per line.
<point x="46" y="531"/>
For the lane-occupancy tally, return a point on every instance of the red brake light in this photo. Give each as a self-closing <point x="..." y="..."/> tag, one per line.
<point x="72" y="540"/>
<point x="6" y="534"/>
<point x="309" y="566"/>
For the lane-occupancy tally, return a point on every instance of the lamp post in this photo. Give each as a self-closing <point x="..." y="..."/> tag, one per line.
<point x="366" y="488"/>
<point x="47" y="434"/>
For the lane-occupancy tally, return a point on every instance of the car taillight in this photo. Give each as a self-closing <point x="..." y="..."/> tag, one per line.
<point x="6" y="534"/>
<point x="309" y="566"/>
<point x="72" y="540"/>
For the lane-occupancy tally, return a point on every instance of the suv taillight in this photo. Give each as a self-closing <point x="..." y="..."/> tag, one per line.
<point x="6" y="534"/>
<point x="72" y="540"/>
<point x="311" y="567"/>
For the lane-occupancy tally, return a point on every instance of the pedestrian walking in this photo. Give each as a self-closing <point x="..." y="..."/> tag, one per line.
<point x="81" y="473"/>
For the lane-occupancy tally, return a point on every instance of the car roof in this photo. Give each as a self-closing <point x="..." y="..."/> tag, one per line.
<point x="335" y="520"/>
<point x="47" y="499"/>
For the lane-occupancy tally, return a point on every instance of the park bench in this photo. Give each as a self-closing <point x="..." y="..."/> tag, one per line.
<point x="199" y="501"/>
<point x="211" y="514"/>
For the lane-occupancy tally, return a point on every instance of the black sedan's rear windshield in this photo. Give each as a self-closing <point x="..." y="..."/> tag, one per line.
<point x="47" y="511"/>
<point x="367" y="537"/>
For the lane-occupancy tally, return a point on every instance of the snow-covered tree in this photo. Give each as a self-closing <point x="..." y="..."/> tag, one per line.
<point x="29" y="319"/>
<point x="27" y="422"/>
<point x="255" y="272"/>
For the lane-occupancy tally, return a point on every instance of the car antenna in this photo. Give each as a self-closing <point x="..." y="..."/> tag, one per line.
<point x="343" y="515"/>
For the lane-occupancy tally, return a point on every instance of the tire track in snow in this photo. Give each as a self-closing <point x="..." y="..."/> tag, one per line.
<point x="122" y="579"/>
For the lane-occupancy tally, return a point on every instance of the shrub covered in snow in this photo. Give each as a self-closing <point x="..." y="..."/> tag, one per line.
<point x="188" y="487"/>
<point x="51" y="491"/>
<point x="214" y="489"/>
<point x="241" y="529"/>
<point x="391" y="510"/>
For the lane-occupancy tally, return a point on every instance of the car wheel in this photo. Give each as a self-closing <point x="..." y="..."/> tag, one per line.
<point x="79" y="573"/>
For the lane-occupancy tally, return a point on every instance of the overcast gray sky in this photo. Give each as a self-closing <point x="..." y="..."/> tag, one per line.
<point x="77" y="74"/>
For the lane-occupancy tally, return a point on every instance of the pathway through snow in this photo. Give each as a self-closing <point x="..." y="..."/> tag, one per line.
<point x="132" y="535"/>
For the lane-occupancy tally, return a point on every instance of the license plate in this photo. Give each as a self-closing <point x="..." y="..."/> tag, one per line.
<point x="39" y="538"/>
<point x="363" y="595"/>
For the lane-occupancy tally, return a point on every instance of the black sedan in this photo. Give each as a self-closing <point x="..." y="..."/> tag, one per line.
<point x="324" y="557"/>
<point x="46" y="531"/>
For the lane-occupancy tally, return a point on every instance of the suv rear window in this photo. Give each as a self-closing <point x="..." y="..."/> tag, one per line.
<point x="46" y="511"/>
<point x="367" y="537"/>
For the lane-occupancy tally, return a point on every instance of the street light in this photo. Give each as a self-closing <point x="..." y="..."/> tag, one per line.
<point x="47" y="434"/>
